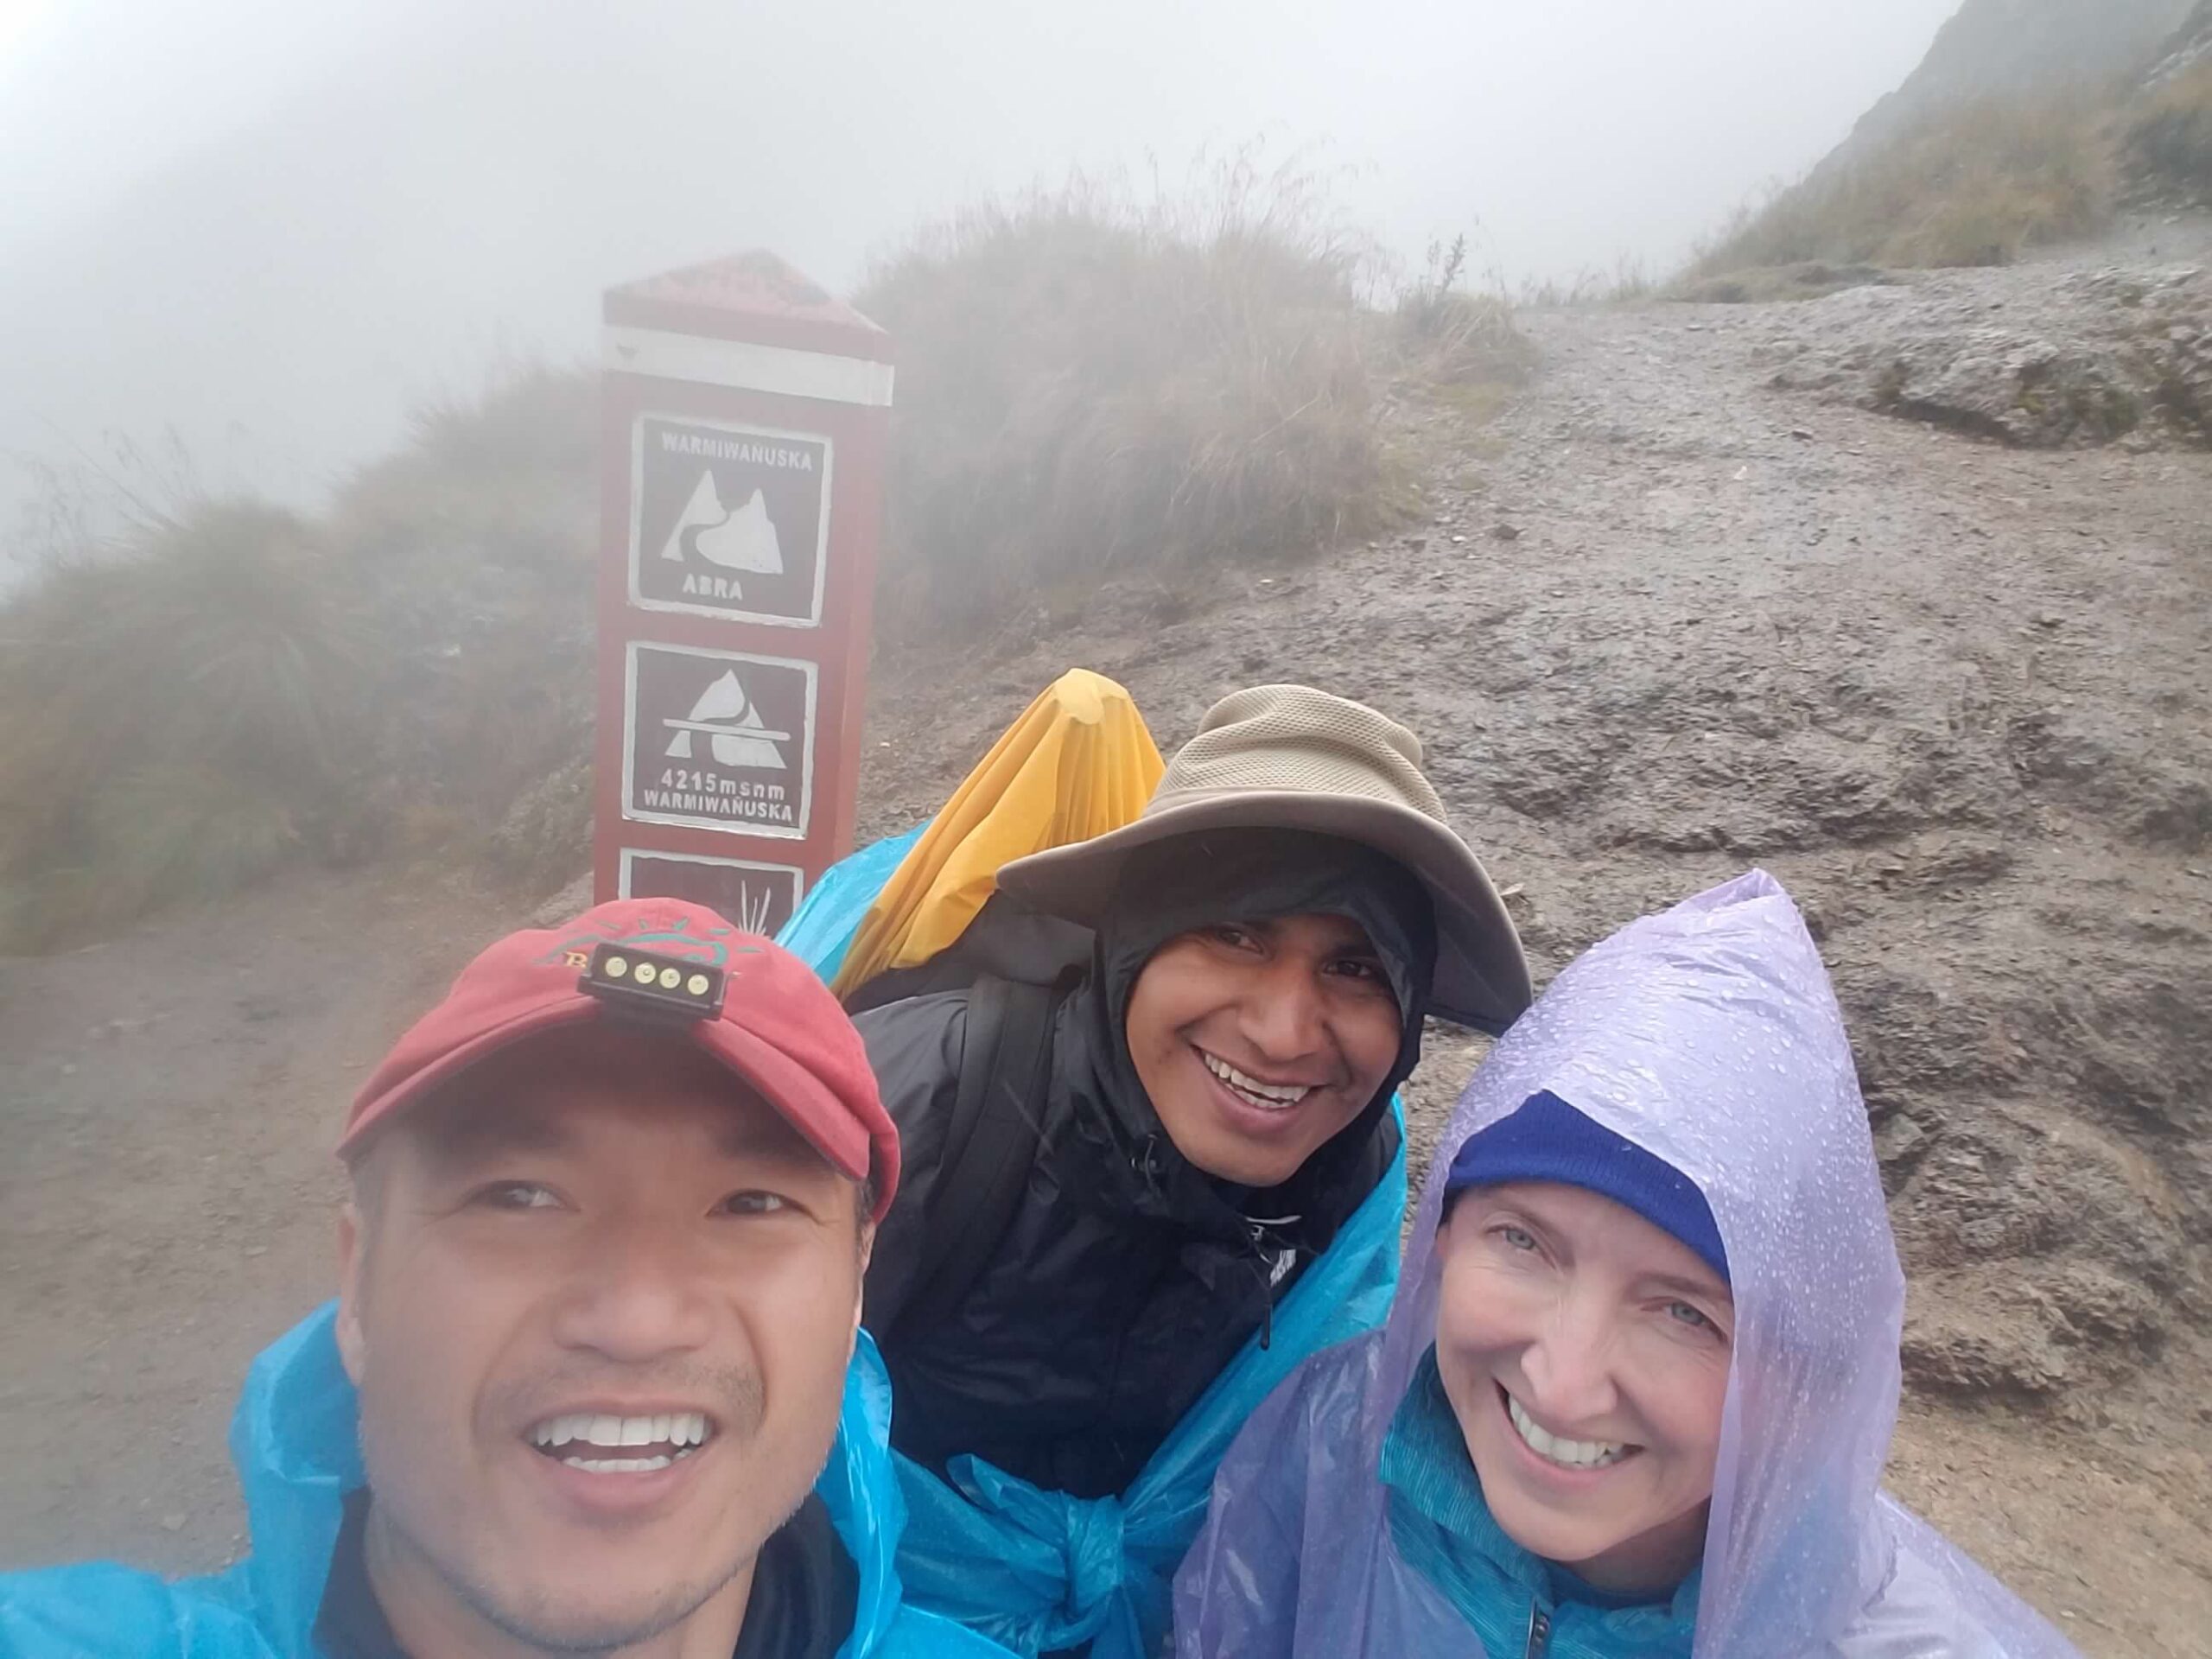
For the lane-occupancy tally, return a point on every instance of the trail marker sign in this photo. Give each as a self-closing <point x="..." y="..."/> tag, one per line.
<point x="719" y="739"/>
<point x="729" y="521"/>
<point x="744" y="416"/>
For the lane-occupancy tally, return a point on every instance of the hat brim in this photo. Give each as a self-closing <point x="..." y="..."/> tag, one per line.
<point x="1482" y="978"/>
<point x="795" y="1093"/>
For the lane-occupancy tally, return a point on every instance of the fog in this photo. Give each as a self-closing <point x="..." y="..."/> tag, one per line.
<point x="250" y="232"/>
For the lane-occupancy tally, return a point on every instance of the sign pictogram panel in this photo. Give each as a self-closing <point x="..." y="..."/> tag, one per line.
<point x="759" y="898"/>
<point x="730" y="521"/>
<point x="720" y="739"/>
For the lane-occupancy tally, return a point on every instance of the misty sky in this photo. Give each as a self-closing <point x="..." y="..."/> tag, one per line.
<point x="269" y="224"/>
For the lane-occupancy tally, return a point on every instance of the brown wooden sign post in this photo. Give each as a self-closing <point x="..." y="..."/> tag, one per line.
<point x="745" y="419"/>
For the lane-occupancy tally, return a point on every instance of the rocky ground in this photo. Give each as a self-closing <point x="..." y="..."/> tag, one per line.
<point x="2041" y="357"/>
<point x="1665" y="618"/>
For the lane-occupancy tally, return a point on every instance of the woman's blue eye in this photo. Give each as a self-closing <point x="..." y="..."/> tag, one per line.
<point x="1517" y="1238"/>
<point x="1683" y="1312"/>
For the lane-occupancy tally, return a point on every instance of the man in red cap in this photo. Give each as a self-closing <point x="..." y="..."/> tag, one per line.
<point x="591" y="1381"/>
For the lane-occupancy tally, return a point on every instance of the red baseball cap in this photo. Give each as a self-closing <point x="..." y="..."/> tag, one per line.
<point x="779" y="1026"/>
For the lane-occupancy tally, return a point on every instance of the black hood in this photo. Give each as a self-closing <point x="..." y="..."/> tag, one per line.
<point x="1170" y="888"/>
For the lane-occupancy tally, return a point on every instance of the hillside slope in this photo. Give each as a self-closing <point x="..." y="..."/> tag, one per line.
<point x="1661" y="621"/>
<point x="1999" y="49"/>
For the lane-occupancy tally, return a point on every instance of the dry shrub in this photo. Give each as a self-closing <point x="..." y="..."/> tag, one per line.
<point x="1089" y="383"/>
<point x="502" y="480"/>
<point x="1448" y="337"/>
<point x="1974" y="187"/>
<point x="1629" y="281"/>
<point x="2166" y="145"/>
<point x="1469" y="338"/>
<point x="231" y="687"/>
<point x="1812" y="280"/>
<point x="474" y="547"/>
<point x="177" y="716"/>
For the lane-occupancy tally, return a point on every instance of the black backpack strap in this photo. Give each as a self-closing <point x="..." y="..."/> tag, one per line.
<point x="990" y="1146"/>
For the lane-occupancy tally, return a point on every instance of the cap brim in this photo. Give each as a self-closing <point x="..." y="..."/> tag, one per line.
<point x="788" y="1087"/>
<point x="1482" y="978"/>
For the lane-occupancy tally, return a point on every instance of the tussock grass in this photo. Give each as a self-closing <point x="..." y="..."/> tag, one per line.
<point x="1974" y="186"/>
<point x="1448" y="337"/>
<point x="176" y="715"/>
<point x="473" y="549"/>
<point x="1812" y="280"/>
<point x="228" y="687"/>
<point x="1628" y="281"/>
<point x="1093" y="384"/>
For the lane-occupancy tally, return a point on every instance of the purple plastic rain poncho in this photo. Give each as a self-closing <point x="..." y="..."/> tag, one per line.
<point x="1709" y="1036"/>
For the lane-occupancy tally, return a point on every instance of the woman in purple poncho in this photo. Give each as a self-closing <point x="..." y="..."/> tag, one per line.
<point x="1637" y="1389"/>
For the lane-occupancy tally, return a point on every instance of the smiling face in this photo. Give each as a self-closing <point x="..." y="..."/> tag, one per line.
<point x="1257" y="1041"/>
<point x="598" y="1299"/>
<point x="1586" y="1355"/>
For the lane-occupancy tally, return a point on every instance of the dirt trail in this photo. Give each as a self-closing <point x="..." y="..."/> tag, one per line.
<point x="1953" y="696"/>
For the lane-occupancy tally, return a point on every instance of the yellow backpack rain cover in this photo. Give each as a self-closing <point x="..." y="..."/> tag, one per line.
<point x="1078" y="762"/>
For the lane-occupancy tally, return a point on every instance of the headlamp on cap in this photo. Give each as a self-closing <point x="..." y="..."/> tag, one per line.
<point x="646" y="985"/>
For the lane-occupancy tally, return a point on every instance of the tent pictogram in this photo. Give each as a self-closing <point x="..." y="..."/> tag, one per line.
<point x="733" y="729"/>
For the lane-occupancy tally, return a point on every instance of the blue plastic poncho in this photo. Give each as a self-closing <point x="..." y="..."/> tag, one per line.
<point x="293" y="1440"/>
<point x="1041" y="1570"/>
<point x="1709" y="1036"/>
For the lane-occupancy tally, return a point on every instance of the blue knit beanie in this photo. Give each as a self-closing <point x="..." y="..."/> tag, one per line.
<point x="1547" y="1140"/>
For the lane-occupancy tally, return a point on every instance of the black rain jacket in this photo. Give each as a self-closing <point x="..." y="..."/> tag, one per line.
<point x="1127" y="1279"/>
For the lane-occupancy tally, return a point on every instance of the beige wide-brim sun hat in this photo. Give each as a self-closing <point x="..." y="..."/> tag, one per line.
<point x="1289" y="757"/>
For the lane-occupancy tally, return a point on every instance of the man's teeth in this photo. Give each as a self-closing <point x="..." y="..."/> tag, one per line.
<point x="1575" y="1454"/>
<point x="621" y="1466"/>
<point x="671" y="1435"/>
<point x="1268" y="1096"/>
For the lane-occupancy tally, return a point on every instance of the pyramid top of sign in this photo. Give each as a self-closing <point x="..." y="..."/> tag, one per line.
<point x="754" y="296"/>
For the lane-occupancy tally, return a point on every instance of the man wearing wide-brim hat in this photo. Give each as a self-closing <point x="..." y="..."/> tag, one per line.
<point x="1202" y="1101"/>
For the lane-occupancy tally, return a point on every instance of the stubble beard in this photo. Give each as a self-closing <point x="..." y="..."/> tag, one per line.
<point x="531" y="1620"/>
<point x="529" y="1617"/>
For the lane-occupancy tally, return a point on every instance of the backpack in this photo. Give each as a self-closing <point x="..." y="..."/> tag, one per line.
<point x="919" y="913"/>
<point x="1017" y="968"/>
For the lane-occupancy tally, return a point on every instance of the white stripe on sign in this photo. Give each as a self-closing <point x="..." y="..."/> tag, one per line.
<point x="747" y="367"/>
